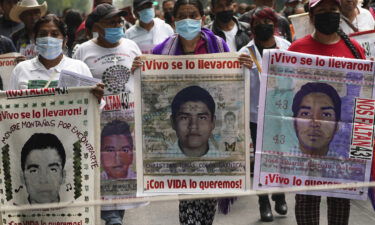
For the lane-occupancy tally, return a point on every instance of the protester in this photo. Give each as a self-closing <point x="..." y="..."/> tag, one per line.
<point x="241" y="9"/>
<point x="6" y="45"/>
<point x="283" y="24"/>
<point x="289" y="7"/>
<point x="83" y="34"/>
<point x="109" y="57"/>
<point x="191" y="38"/>
<point x="44" y="70"/>
<point x="148" y="31"/>
<point x="355" y="18"/>
<point x="72" y="19"/>
<point x="27" y="11"/>
<point x="7" y="26"/>
<point x="226" y="26"/>
<point x="263" y="27"/>
<point x="326" y="40"/>
<point x="167" y="6"/>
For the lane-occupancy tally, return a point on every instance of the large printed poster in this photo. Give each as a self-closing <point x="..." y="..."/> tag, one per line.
<point x="192" y="117"/>
<point x="7" y="64"/>
<point x="118" y="170"/>
<point x="315" y="122"/>
<point x="48" y="154"/>
<point x="367" y="41"/>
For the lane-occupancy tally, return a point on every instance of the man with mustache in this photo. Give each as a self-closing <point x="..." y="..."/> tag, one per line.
<point x="193" y="119"/>
<point x="317" y="110"/>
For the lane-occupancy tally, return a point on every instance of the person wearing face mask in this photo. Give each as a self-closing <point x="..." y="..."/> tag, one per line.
<point x="148" y="31"/>
<point x="109" y="57"/>
<point x="226" y="26"/>
<point x="263" y="25"/>
<point x="327" y="39"/>
<point x="44" y="70"/>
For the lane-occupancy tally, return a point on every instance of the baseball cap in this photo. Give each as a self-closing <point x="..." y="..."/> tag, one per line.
<point x="103" y="11"/>
<point x="313" y="3"/>
<point x="139" y="3"/>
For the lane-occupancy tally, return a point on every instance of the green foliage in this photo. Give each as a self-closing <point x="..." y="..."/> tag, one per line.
<point x="58" y="6"/>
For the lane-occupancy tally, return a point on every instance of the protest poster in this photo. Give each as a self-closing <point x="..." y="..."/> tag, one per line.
<point x="191" y="116"/>
<point x="315" y="123"/>
<point x="301" y="24"/>
<point x="367" y="40"/>
<point x="118" y="170"/>
<point x="7" y="63"/>
<point x="48" y="155"/>
<point x="71" y="79"/>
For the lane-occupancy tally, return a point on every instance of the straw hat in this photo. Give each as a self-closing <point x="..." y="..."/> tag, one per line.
<point x="25" y="5"/>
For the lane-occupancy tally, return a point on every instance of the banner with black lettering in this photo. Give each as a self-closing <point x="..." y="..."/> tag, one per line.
<point x="315" y="123"/>
<point x="192" y="118"/>
<point x="48" y="154"/>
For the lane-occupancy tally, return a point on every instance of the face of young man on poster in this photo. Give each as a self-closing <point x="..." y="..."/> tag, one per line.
<point x="194" y="124"/>
<point x="43" y="175"/>
<point x="315" y="123"/>
<point x="116" y="155"/>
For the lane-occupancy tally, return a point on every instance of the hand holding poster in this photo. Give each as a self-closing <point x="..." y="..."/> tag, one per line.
<point x="315" y="122"/>
<point x="191" y="117"/>
<point x="48" y="154"/>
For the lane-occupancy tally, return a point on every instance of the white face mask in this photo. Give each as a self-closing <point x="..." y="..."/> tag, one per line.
<point x="49" y="47"/>
<point x="95" y="35"/>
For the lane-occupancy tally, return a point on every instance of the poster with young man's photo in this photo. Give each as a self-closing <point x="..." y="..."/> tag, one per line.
<point x="191" y="115"/>
<point x="48" y="154"/>
<point x="316" y="122"/>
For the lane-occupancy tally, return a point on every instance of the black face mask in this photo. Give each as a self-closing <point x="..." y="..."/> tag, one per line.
<point x="225" y="16"/>
<point x="263" y="32"/>
<point x="168" y="17"/>
<point x="327" y="23"/>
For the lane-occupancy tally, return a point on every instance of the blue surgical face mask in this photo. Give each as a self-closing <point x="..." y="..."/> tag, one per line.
<point x="188" y="28"/>
<point x="49" y="47"/>
<point x="113" y="35"/>
<point x="146" y="15"/>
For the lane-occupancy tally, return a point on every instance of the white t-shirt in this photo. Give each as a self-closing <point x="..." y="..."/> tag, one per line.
<point x="230" y="38"/>
<point x="363" y="21"/>
<point x="32" y="73"/>
<point x="111" y="65"/>
<point x="146" y="40"/>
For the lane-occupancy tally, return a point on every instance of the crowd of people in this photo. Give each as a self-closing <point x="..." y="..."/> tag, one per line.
<point x="106" y="42"/>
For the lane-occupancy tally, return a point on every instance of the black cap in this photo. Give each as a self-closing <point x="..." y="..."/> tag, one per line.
<point x="139" y="3"/>
<point x="103" y="11"/>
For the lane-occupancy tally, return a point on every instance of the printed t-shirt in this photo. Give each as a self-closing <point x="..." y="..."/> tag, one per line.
<point x="111" y="65"/>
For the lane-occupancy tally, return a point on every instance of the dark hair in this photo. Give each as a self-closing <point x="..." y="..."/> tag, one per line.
<point x="349" y="43"/>
<point x="230" y="113"/>
<point x="316" y="87"/>
<point x="213" y="2"/>
<point x="196" y="3"/>
<point x="117" y="127"/>
<point x="264" y="12"/>
<point x="194" y="94"/>
<point x="50" y="18"/>
<point x="42" y="141"/>
<point x="165" y="1"/>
